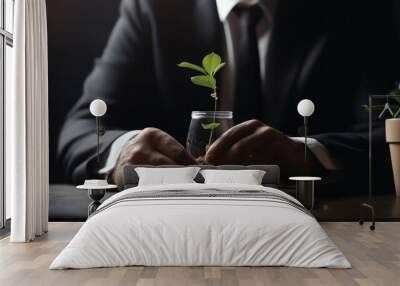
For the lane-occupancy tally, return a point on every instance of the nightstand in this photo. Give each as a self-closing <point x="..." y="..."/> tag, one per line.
<point x="305" y="190"/>
<point x="96" y="190"/>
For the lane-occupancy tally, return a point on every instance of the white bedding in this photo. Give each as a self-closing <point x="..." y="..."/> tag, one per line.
<point x="190" y="231"/>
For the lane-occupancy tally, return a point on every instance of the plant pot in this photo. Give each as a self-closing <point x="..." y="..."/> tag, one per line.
<point x="392" y="127"/>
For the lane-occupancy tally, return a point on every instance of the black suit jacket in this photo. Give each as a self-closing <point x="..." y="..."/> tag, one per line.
<point x="332" y="52"/>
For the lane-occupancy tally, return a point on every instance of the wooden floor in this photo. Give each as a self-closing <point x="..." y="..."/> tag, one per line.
<point x="375" y="257"/>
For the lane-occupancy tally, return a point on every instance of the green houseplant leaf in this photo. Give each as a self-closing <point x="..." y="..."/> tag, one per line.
<point x="204" y="80"/>
<point x="192" y="66"/>
<point x="210" y="126"/>
<point x="220" y="66"/>
<point x="211" y="62"/>
<point x="213" y="82"/>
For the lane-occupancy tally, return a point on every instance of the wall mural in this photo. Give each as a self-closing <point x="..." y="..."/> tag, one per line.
<point x="185" y="89"/>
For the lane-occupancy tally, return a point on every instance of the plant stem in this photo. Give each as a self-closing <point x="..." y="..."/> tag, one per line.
<point x="214" y="115"/>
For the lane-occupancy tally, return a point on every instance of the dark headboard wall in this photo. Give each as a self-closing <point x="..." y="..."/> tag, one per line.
<point x="77" y="33"/>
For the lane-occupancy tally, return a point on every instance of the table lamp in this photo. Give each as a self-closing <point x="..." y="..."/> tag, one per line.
<point x="96" y="188"/>
<point x="305" y="108"/>
<point x="305" y="184"/>
<point x="98" y="108"/>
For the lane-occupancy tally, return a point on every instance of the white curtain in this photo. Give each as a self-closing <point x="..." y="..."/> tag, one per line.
<point x="27" y="124"/>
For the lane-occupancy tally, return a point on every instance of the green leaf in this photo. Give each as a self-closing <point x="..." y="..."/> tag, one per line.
<point x="213" y="81"/>
<point x="192" y="66"/>
<point x="203" y="80"/>
<point x="211" y="62"/>
<point x="220" y="66"/>
<point x="210" y="126"/>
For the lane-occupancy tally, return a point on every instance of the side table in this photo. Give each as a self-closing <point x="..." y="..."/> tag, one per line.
<point x="96" y="190"/>
<point x="305" y="190"/>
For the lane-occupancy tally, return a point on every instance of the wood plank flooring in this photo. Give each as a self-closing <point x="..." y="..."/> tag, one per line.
<point x="375" y="257"/>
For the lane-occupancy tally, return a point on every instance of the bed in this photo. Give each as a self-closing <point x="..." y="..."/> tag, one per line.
<point x="201" y="224"/>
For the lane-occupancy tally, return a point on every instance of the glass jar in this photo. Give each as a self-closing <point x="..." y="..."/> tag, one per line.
<point x="199" y="138"/>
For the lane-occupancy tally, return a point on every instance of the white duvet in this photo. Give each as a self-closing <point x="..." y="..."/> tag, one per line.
<point x="200" y="231"/>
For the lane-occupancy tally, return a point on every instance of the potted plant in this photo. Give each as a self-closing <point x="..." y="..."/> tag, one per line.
<point x="392" y="130"/>
<point x="210" y="121"/>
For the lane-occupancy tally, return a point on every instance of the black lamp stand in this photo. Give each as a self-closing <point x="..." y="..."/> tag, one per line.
<point x="100" y="131"/>
<point x="305" y="137"/>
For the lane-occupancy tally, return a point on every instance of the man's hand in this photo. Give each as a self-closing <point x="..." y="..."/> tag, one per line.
<point x="153" y="147"/>
<point x="253" y="142"/>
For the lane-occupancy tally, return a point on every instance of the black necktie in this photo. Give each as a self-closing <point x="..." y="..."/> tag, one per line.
<point x="247" y="103"/>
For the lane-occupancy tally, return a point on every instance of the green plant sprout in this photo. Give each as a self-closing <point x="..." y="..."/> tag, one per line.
<point x="211" y="64"/>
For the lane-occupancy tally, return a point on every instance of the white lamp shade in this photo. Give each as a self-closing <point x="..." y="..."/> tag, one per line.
<point x="305" y="107"/>
<point x="98" y="107"/>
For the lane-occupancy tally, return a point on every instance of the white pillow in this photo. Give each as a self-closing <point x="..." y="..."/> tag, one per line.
<point x="248" y="177"/>
<point x="165" y="176"/>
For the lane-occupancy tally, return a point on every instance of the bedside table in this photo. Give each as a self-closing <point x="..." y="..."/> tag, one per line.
<point x="96" y="190"/>
<point x="305" y="190"/>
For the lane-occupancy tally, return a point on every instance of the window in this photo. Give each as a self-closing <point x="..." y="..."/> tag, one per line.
<point x="6" y="44"/>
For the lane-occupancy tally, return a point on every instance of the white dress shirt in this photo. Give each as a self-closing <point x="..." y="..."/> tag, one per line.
<point x="230" y="23"/>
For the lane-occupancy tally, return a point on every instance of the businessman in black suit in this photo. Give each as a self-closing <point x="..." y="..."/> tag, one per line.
<point x="334" y="53"/>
